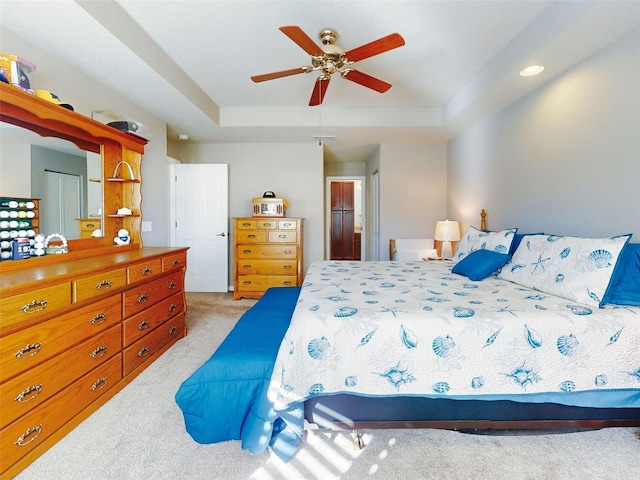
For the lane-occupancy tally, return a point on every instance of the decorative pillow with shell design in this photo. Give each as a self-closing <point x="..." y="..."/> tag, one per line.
<point x="575" y="268"/>
<point x="474" y="239"/>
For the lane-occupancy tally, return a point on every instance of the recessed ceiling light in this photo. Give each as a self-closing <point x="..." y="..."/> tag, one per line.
<point x="531" y="71"/>
<point x="183" y="137"/>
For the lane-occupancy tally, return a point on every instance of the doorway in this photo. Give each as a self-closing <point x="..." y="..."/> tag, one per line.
<point x="63" y="205"/>
<point x="345" y="213"/>
<point x="199" y="219"/>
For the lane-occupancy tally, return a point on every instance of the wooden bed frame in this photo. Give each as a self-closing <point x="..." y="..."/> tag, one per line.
<point x="352" y="412"/>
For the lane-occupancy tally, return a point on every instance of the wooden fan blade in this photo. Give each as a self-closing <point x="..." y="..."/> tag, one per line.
<point x="302" y="39"/>
<point x="284" y="73"/>
<point x="319" y="90"/>
<point x="376" y="47"/>
<point x="367" y="81"/>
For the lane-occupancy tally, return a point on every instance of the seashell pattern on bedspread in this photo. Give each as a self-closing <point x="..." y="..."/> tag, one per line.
<point x="415" y="328"/>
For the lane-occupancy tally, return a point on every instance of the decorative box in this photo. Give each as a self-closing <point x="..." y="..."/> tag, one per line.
<point x="19" y="72"/>
<point x="268" y="207"/>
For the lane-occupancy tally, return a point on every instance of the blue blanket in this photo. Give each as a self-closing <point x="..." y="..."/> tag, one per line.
<point x="225" y="398"/>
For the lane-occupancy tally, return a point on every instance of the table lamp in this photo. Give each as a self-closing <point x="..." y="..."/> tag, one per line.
<point x="447" y="231"/>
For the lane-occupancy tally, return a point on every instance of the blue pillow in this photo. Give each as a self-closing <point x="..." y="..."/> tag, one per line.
<point x="481" y="263"/>
<point x="624" y="286"/>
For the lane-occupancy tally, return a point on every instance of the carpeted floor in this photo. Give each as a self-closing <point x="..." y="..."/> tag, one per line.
<point x="140" y="434"/>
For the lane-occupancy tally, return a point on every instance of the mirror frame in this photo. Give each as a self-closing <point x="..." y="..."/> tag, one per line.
<point x="50" y="120"/>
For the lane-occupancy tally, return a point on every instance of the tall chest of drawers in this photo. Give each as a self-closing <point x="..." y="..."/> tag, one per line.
<point x="75" y="333"/>
<point x="267" y="253"/>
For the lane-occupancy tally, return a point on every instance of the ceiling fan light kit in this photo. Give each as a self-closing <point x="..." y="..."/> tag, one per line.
<point x="330" y="58"/>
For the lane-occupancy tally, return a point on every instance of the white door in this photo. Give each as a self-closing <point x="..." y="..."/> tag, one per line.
<point x="200" y="221"/>
<point x="62" y="194"/>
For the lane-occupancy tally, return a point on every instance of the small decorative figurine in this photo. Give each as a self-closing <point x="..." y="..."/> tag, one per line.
<point x="123" y="237"/>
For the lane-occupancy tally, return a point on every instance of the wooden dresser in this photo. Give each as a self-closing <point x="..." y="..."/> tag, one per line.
<point x="268" y="253"/>
<point x="75" y="333"/>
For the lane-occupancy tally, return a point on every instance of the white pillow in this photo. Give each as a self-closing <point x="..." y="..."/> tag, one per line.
<point x="575" y="268"/>
<point x="474" y="239"/>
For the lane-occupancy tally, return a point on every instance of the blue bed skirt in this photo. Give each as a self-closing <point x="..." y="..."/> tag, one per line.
<point x="226" y="398"/>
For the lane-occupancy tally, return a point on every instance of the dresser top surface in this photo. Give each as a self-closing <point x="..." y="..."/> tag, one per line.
<point x="17" y="281"/>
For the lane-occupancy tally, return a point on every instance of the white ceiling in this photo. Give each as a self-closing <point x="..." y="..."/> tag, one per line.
<point x="190" y="62"/>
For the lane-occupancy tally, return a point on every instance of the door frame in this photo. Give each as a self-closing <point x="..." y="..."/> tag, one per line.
<point x="328" y="180"/>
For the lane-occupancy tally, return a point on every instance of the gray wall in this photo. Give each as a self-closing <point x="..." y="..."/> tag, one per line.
<point x="413" y="191"/>
<point x="563" y="160"/>
<point x="292" y="171"/>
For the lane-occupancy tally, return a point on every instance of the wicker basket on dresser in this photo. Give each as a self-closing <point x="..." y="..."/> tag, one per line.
<point x="268" y="253"/>
<point x="75" y="333"/>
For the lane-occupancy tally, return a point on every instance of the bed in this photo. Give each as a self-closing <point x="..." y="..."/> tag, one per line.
<point x="517" y="331"/>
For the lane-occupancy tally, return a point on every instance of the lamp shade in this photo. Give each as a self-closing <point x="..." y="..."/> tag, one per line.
<point x="447" y="231"/>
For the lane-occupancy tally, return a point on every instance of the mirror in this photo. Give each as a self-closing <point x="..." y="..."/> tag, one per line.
<point x="65" y="179"/>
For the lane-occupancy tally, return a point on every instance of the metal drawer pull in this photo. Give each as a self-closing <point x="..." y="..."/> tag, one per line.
<point x="31" y="349"/>
<point x="287" y="282"/>
<point x="99" y="384"/>
<point x="98" y="319"/>
<point x="171" y="285"/>
<point x="246" y="224"/>
<point x="99" y="352"/>
<point x="143" y="298"/>
<point x="246" y="251"/>
<point x="251" y="236"/>
<point x="175" y="262"/>
<point x="143" y="351"/>
<point x="246" y="282"/>
<point x="32" y="432"/>
<point x="267" y="224"/>
<point x="246" y="267"/>
<point x="287" y="267"/>
<point x="172" y="307"/>
<point x="146" y="271"/>
<point x="37" y="305"/>
<point x="104" y="284"/>
<point x="287" y="224"/>
<point x="143" y="325"/>
<point x="173" y="330"/>
<point x="33" y="390"/>
<point x="282" y="235"/>
<point x="288" y="252"/>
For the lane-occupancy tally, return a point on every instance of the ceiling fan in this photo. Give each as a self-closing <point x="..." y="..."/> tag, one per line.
<point x="329" y="59"/>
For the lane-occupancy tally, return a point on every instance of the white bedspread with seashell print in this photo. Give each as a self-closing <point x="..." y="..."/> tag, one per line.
<point x="414" y="328"/>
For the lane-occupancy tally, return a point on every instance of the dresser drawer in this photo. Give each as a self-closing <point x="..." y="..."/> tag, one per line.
<point x="34" y="304"/>
<point x="142" y="323"/>
<point x="31" y="346"/>
<point x="144" y="296"/>
<point x="94" y="285"/>
<point x="267" y="224"/>
<point x="24" y="392"/>
<point x="287" y="224"/>
<point x="147" y="346"/>
<point x="283" y="236"/>
<point x="251" y="236"/>
<point x="267" y="267"/>
<point x="89" y="225"/>
<point x="174" y="262"/>
<point x="260" y="283"/>
<point x="22" y="436"/>
<point x="247" y="224"/>
<point x="276" y="252"/>
<point x="144" y="270"/>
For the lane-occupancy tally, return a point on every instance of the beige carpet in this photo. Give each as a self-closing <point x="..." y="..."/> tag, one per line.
<point x="140" y="434"/>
